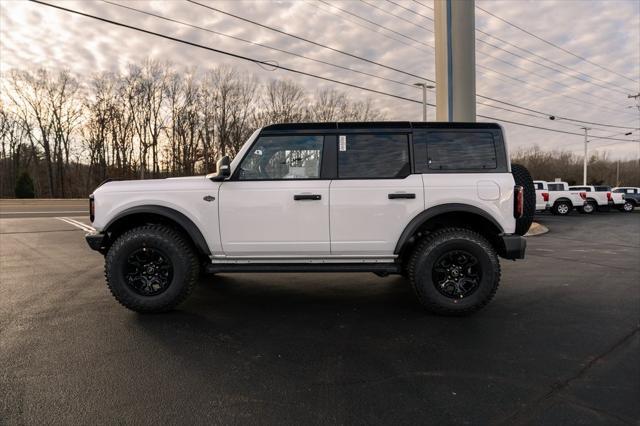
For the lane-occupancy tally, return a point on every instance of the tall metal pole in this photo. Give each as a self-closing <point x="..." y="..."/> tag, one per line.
<point x="424" y="102"/>
<point x="455" y="60"/>
<point x="424" y="98"/>
<point x="584" y="164"/>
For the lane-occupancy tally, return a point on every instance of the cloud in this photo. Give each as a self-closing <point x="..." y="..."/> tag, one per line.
<point x="606" y="32"/>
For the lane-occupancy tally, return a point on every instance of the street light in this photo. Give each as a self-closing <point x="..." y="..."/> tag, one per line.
<point x="584" y="161"/>
<point x="424" y="98"/>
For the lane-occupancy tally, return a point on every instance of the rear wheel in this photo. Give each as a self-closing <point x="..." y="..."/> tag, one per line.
<point x="522" y="177"/>
<point x="561" y="208"/>
<point x="627" y="207"/>
<point x="151" y="268"/>
<point x="454" y="271"/>
<point x="588" y="208"/>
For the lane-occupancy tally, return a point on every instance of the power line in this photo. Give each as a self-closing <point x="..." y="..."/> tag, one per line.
<point x="358" y="57"/>
<point x="501" y="40"/>
<point x="554" y="44"/>
<point x="624" y="91"/>
<point x="485" y="67"/>
<point x="375" y="29"/>
<point x="320" y="61"/>
<point x="266" y="46"/>
<point x="397" y="16"/>
<point x="577" y="101"/>
<point x="374" y="23"/>
<point x="309" y="41"/>
<point x="524" y="50"/>
<point x="593" y="139"/>
<point x="257" y="61"/>
<point x="422" y="4"/>
<point x="224" y="52"/>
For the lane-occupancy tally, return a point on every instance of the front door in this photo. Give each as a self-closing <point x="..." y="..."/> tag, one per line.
<point x="277" y="204"/>
<point x="374" y="196"/>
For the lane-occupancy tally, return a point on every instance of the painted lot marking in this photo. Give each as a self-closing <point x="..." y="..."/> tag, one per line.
<point x="46" y="212"/>
<point x="77" y="224"/>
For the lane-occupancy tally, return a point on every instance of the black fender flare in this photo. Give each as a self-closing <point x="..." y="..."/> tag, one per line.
<point x="434" y="211"/>
<point x="170" y="214"/>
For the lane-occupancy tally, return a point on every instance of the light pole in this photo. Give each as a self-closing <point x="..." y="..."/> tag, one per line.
<point x="584" y="164"/>
<point x="424" y="98"/>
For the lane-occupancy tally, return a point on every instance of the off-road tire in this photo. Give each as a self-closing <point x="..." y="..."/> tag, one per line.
<point x="523" y="178"/>
<point x="429" y="251"/>
<point x="180" y="253"/>
<point x="558" y="209"/>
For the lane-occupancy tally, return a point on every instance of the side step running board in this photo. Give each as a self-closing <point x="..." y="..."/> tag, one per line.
<point x="379" y="268"/>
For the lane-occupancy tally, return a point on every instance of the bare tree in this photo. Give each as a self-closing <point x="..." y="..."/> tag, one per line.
<point x="283" y="102"/>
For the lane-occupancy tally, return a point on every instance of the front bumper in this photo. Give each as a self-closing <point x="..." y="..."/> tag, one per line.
<point x="96" y="241"/>
<point x="514" y="246"/>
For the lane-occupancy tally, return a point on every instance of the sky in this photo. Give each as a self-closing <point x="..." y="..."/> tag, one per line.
<point x="606" y="33"/>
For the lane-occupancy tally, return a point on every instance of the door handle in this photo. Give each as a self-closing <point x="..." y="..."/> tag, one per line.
<point x="399" y="195"/>
<point x="298" y="197"/>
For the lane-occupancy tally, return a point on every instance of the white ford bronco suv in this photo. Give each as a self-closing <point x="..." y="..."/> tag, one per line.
<point x="436" y="202"/>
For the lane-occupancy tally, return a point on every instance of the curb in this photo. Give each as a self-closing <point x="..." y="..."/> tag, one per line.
<point x="536" y="229"/>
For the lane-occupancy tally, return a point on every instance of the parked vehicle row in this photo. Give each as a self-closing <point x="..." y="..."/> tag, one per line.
<point x="560" y="198"/>
<point x="631" y="197"/>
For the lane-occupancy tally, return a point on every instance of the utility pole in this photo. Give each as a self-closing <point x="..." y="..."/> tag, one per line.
<point x="454" y="28"/>
<point x="424" y="98"/>
<point x="584" y="165"/>
<point x="618" y="173"/>
<point x="637" y="98"/>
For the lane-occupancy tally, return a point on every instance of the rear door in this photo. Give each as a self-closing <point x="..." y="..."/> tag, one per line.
<point x="374" y="195"/>
<point x="277" y="203"/>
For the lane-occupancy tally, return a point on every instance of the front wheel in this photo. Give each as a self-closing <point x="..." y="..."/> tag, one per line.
<point x="454" y="271"/>
<point x="151" y="268"/>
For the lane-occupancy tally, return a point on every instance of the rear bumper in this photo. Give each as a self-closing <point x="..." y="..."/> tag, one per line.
<point x="514" y="246"/>
<point x="96" y="241"/>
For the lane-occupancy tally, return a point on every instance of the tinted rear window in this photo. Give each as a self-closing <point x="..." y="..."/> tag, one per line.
<point x="377" y="156"/>
<point x="602" y="188"/>
<point x="462" y="150"/>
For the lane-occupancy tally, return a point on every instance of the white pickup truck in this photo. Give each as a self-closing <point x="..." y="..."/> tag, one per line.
<point x="598" y="198"/>
<point x="562" y="199"/>
<point x="435" y="202"/>
<point x="542" y="195"/>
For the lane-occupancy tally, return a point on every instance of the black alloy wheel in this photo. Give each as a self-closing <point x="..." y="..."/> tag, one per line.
<point x="148" y="271"/>
<point x="457" y="274"/>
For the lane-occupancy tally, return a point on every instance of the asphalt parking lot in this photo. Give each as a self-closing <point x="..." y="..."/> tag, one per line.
<point x="560" y="343"/>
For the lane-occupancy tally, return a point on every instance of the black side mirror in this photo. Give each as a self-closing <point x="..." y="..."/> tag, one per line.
<point x="223" y="169"/>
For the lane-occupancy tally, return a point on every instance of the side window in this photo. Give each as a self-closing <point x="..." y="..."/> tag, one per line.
<point x="461" y="150"/>
<point x="538" y="185"/>
<point x="380" y="156"/>
<point x="283" y="157"/>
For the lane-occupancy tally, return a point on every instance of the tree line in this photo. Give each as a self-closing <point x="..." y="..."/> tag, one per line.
<point x="66" y="135"/>
<point x="62" y="135"/>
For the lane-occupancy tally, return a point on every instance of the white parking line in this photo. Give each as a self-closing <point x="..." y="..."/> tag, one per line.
<point x="77" y="224"/>
<point x="46" y="212"/>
